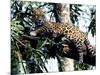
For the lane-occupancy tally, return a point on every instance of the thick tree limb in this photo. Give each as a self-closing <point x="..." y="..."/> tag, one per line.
<point x="30" y="37"/>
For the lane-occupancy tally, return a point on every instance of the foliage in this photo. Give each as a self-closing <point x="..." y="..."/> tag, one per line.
<point x="21" y="22"/>
<point x="92" y="26"/>
<point x="81" y="67"/>
<point x="16" y="30"/>
<point x="75" y="12"/>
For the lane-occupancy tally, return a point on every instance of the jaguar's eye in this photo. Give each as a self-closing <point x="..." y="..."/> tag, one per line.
<point x="42" y="15"/>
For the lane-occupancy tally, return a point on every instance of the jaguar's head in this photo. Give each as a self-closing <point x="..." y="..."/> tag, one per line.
<point x="38" y="17"/>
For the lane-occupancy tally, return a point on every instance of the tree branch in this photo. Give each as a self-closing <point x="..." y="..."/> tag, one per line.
<point x="30" y="37"/>
<point x="18" y="41"/>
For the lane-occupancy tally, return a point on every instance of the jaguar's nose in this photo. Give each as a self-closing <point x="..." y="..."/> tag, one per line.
<point x="40" y="20"/>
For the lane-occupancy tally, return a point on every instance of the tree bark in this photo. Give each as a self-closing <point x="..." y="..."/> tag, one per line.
<point x="62" y="15"/>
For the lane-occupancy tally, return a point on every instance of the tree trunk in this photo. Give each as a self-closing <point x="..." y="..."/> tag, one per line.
<point x="62" y="15"/>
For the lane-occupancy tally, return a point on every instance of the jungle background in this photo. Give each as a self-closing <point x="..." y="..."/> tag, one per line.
<point x="34" y="55"/>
